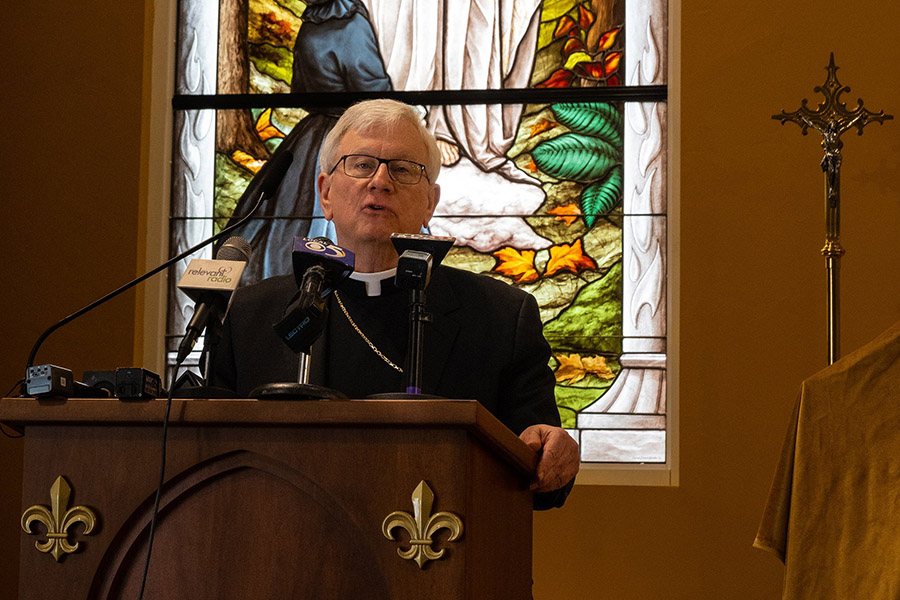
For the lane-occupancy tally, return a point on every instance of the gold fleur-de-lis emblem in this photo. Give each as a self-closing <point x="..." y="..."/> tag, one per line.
<point x="421" y="526"/>
<point x="58" y="520"/>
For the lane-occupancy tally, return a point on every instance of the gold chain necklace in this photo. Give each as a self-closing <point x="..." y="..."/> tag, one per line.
<point x="362" y="335"/>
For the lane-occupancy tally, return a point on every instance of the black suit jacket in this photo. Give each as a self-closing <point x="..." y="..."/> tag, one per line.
<point x="485" y="343"/>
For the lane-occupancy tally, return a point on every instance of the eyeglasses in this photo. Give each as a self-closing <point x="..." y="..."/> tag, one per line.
<point x="363" y="166"/>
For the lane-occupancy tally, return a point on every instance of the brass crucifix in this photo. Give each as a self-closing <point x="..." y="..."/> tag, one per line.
<point x="831" y="119"/>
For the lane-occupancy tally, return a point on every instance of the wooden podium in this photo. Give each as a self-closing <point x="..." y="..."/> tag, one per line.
<point x="273" y="499"/>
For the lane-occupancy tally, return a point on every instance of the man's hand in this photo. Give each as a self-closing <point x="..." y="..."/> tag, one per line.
<point x="558" y="460"/>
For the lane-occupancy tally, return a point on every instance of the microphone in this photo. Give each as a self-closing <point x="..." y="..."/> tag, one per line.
<point x="211" y="283"/>
<point x="336" y="263"/>
<point x="271" y="176"/>
<point x="319" y="267"/>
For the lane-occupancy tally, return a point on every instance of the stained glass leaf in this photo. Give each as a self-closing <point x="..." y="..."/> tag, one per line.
<point x="576" y="58"/>
<point x="569" y="257"/>
<point x="574" y="368"/>
<point x="558" y="79"/>
<point x="597" y="119"/>
<point x="565" y="25"/>
<point x="265" y="128"/>
<point x="515" y="264"/>
<point x="585" y="17"/>
<point x="567" y="214"/>
<point x="611" y="64"/>
<point x="590" y="70"/>
<point x="573" y="44"/>
<point x="247" y="161"/>
<point x="577" y="157"/>
<point x="541" y="126"/>
<point x="570" y="368"/>
<point x="602" y="196"/>
<point x="608" y="39"/>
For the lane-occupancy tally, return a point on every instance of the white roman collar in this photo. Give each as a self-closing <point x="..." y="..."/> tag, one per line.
<point x="373" y="280"/>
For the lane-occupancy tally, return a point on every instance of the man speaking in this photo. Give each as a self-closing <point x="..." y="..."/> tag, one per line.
<point x="378" y="170"/>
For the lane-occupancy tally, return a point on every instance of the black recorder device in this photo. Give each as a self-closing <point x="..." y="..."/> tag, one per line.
<point x="131" y="383"/>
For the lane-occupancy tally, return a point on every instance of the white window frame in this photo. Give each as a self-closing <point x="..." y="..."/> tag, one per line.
<point x="156" y="167"/>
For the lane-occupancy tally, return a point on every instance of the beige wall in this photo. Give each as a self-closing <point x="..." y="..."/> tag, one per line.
<point x="70" y="105"/>
<point x="752" y="279"/>
<point x="752" y="295"/>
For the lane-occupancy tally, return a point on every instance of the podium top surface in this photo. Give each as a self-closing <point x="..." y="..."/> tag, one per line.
<point x="463" y="414"/>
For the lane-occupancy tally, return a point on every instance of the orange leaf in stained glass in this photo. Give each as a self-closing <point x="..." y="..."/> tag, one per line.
<point x="264" y="126"/>
<point x="573" y="44"/>
<point x="570" y="368"/>
<point x="611" y="64"/>
<point x="565" y="25"/>
<point x="558" y="79"/>
<point x="573" y="367"/>
<point x="585" y="17"/>
<point x="531" y="166"/>
<point x="568" y="213"/>
<point x="608" y="39"/>
<point x="567" y="257"/>
<point x="250" y="163"/>
<point x="590" y="69"/>
<point x="596" y="365"/>
<point x="515" y="264"/>
<point x="541" y="126"/>
<point x="612" y="81"/>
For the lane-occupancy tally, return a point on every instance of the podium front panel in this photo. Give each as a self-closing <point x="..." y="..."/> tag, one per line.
<point x="277" y="510"/>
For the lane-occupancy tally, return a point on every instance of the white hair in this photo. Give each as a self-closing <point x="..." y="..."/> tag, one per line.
<point x="369" y="115"/>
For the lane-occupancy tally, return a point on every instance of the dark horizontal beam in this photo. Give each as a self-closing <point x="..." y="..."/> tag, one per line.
<point x="647" y="93"/>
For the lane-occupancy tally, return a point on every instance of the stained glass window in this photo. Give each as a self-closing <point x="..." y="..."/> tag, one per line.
<point x="551" y="119"/>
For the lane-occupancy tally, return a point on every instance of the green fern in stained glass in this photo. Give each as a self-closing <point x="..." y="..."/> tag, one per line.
<point x="602" y="196"/>
<point x="597" y="119"/>
<point x="576" y="157"/>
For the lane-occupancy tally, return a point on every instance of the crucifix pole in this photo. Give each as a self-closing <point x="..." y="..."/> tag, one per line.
<point x="832" y="118"/>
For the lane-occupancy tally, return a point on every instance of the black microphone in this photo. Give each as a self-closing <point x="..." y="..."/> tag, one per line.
<point x="319" y="267"/>
<point x="211" y="283"/>
<point x="271" y="175"/>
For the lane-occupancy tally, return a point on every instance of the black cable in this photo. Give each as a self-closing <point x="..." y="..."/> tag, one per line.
<point x="162" y="476"/>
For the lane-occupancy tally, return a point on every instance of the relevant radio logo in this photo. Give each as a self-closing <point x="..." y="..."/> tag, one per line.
<point x="220" y="275"/>
<point x="204" y="274"/>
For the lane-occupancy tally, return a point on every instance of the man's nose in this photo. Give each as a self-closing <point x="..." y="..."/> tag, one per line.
<point x="381" y="178"/>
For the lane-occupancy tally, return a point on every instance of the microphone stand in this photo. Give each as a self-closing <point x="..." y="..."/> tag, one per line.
<point x="418" y="255"/>
<point x="418" y="316"/>
<point x="302" y="390"/>
<point x="309" y="303"/>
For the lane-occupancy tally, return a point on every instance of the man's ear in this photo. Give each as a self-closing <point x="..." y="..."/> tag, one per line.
<point x="434" y="196"/>
<point x="323" y="181"/>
